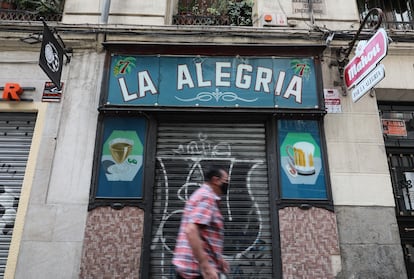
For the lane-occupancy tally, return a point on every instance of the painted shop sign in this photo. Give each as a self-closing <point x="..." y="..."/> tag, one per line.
<point x="179" y="81"/>
<point x="366" y="59"/>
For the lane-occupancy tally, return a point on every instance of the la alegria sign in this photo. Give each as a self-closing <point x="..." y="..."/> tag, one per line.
<point x="367" y="59"/>
<point x="210" y="81"/>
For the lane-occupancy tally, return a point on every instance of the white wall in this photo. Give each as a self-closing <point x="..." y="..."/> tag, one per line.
<point x="140" y="12"/>
<point x="337" y="15"/>
<point x="399" y="71"/>
<point x="356" y="152"/>
<point x="54" y="223"/>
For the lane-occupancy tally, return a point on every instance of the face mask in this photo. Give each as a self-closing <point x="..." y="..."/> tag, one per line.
<point x="224" y="188"/>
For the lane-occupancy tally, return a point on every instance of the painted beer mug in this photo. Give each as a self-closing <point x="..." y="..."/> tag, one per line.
<point x="301" y="157"/>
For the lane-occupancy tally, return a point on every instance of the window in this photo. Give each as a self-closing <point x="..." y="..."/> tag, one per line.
<point x="397" y="126"/>
<point x="398" y="14"/>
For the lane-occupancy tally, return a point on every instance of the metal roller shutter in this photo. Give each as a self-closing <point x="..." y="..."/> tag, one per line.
<point x="16" y="132"/>
<point x="184" y="151"/>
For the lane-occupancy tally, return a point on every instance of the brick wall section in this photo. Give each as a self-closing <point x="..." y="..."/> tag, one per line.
<point x="112" y="244"/>
<point x="308" y="240"/>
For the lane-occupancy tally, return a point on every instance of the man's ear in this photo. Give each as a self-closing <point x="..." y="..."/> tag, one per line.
<point x="216" y="179"/>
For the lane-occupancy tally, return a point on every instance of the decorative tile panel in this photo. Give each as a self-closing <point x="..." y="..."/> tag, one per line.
<point x="309" y="242"/>
<point x="112" y="244"/>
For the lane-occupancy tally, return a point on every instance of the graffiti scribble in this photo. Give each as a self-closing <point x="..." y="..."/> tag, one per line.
<point x="202" y="147"/>
<point x="245" y="246"/>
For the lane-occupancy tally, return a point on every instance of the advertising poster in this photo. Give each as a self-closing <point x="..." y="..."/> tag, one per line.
<point x="122" y="157"/>
<point x="302" y="171"/>
<point x="394" y="127"/>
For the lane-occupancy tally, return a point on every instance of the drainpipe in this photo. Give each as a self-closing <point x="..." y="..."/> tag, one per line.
<point x="105" y="11"/>
<point x="311" y="15"/>
<point x="101" y="37"/>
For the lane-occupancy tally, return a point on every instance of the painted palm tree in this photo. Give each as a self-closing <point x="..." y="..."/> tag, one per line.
<point x="124" y="65"/>
<point x="300" y="67"/>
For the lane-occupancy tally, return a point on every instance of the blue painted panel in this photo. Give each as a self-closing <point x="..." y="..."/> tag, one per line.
<point x="302" y="170"/>
<point x="232" y="82"/>
<point x="121" y="163"/>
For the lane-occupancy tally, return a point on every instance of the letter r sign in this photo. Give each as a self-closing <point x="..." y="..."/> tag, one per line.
<point x="12" y="91"/>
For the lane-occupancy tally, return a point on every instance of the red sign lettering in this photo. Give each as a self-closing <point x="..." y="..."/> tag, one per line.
<point x="12" y="91"/>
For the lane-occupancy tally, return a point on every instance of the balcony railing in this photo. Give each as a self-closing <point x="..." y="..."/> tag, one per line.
<point x="31" y="10"/>
<point x="7" y="14"/>
<point x="189" y="19"/>
<point x="398" y="13"/>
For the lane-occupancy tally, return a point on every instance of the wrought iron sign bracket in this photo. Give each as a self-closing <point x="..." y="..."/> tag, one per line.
<point x="342" y="54"/>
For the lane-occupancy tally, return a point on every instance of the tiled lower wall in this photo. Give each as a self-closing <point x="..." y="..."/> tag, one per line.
<point x="309" y="243"/>
<point x="112" y="234"/>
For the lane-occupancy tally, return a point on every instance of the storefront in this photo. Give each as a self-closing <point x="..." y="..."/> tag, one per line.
<point x="16" y="132"/>
<point x="397" y="124"/>
<point x="167" y="112"/>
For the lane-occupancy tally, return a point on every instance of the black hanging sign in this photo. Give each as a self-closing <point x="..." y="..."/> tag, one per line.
<point x="51" y="56"/>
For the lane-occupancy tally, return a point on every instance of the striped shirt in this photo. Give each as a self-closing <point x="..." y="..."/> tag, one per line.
<point x="202" y="209"/>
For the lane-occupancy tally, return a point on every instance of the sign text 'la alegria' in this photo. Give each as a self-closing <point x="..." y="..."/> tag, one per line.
<point x="180" y="81"/>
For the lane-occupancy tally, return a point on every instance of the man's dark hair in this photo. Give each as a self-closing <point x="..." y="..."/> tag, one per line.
<point x="213" y="171"/>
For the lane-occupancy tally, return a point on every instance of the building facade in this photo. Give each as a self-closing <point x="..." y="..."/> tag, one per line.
<point x="95" y="175"/>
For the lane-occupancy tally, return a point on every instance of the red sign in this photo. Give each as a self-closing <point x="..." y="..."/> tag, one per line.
<point x="365" y="61"/>
<point x="394" y="127"/>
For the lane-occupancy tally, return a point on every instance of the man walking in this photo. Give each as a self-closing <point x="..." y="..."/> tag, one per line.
<point x="199" y="247"/>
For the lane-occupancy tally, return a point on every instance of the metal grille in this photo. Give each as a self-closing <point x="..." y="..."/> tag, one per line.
<point x="16" y="131"/>
<point x="22" y="15"/>
<point x="213" y="12"/>
<point x="200" y="20"/>
<point x="402" y="171"/>
<point x="398" y="14"/>
<point x="184" y="151"/>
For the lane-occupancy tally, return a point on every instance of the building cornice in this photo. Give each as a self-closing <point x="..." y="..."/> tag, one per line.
<point x="92" y="36"/>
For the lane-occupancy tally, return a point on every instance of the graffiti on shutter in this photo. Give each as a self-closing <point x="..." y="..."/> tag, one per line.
<point x="184" y="152"/>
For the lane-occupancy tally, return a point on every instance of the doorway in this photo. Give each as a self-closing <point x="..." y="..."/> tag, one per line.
<point x="183" y="152"/>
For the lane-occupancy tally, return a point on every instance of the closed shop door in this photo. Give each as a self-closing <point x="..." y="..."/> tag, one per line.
<point x="184" y="152"/>
<point x="16" y="132"/>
